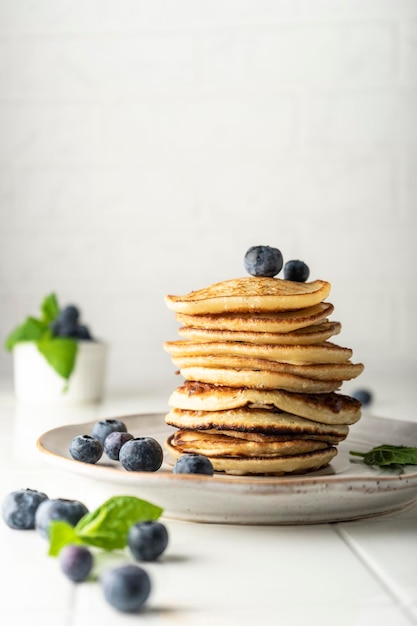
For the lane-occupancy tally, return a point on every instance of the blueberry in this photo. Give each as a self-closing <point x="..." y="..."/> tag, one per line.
<point x="86" y="449"/>
<point x="69" y="314"/>
<point x="76" y="562"/>
<point x="364" y="396"/>
<point x="113" y="442"/>
<point x="104" y="427"/>
<point x="126" y="587"/>
<point x="263" y="261"/>
<point x="83" y="332"/>
<point x="296" y="271"/>
<point x="55" y="326"/>
<point x="67" y="329"/>
<point x="141" y="454"/>
<point x="147" y="540"/>
<point x="19" y="508"/>
<point x="193" y="464"/>
<point x="70" y="511"/>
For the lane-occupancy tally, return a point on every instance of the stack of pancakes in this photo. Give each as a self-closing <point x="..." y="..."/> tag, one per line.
<point x="261" y="377"/>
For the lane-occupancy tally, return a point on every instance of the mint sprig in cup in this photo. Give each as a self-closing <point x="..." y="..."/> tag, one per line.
<point x="55" y="350"/>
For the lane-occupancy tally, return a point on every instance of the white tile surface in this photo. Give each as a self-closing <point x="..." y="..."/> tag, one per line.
<point x="355" y="573"/>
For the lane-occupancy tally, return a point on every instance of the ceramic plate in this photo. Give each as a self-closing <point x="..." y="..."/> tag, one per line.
<point x="345" y="490"/>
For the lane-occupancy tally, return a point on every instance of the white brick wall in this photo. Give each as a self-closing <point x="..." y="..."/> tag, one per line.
<point x="144" y="146"/>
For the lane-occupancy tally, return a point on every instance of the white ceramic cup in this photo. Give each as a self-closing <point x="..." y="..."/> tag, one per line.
<point x="36" y="381"/>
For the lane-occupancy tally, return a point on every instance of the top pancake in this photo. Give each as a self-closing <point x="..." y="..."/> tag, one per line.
<point x="249" y="294"/>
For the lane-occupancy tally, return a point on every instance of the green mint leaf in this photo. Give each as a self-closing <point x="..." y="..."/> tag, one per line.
<point x="50" y="308"/>
<point x="31" y="330"/>
<point x="388" y="455"/>
<point x="61" y="534"/>
<point x="107" y="527"/>
<point x="60" y="352"/>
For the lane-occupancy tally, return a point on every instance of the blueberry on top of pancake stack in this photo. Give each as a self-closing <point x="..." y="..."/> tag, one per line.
<point x="262" y="376"/>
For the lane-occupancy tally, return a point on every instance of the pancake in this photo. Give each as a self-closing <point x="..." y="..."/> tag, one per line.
<point x="325" y="352"/>
<point x="274" y="322"/>
<point x="249" y="294"/>
<point x="315" y="371"/>
<point x="317" y="333"/>
<point x="256" y="421"/>
<point x="219" y="444"/>
<point x="258" y="379"/>
<point x="277" y="466"/>
<point x="330" y="408"/>
<point x="259" y="437"/>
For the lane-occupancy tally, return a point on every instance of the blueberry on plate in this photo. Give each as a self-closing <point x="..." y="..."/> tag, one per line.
<point x="296" y="270"/>
<point x="104" y="427"/>
<point x="76" y="562"/>
<point x="51" y="510"/>
<point x="141" y="454"/>
<point x="86" y="449"/>
<point x="126" y="587"/>
<point x="364" y="396"/>
<point x="193" y="464"/>
<point x="263" y="261"/>
<point x="147" y="540"/>
<point x="113" y="443"/>
<point x="19" y="508"/>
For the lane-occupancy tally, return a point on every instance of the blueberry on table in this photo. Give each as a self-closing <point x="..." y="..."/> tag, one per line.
<point x="51" y="510"/>
<point x="86" y="449"/>
<point x="126" y="588"/>
<point x="104" y="427"/>
<point x="19" y="508"/>
<point x="263" y="261"/>
<point x="141" y="454"/>
<point x="193" y="464"/>
<point x="364" y="396"/>
<point x="76" y="562"/>
<point x="113" y="443"/>
<point x="296" y="270"/>
<point x="147" y="540"/>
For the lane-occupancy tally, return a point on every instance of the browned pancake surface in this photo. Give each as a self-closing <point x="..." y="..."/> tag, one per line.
<point x="250" y="294"/>
<point x="274" y="322"/>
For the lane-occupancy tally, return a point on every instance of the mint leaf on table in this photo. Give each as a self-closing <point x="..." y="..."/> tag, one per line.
<point x="50" y="308"/>
<point x="107" y="527"/>
<point x="387" y="455"/>
<point x="32" y="329"/>
<point x="61" y="534"/>
<point x="60" y="352"/>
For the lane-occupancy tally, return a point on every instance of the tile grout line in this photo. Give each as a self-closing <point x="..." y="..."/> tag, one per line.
<point x="382" y="580"/>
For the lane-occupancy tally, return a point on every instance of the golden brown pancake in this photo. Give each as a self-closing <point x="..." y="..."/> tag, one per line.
<point x="274" y="322"/>
<point x="317" y="333"/>
<point x="258" y="379"/>
<point x="249" y="294"/>
<point x="325" y="352"/>
<point x="277" y="466"/>
<point x="219" y="444"/>
<point x="257" y="421"/>
<point x="330" y="408"/>
<point x="314" y="371"/>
